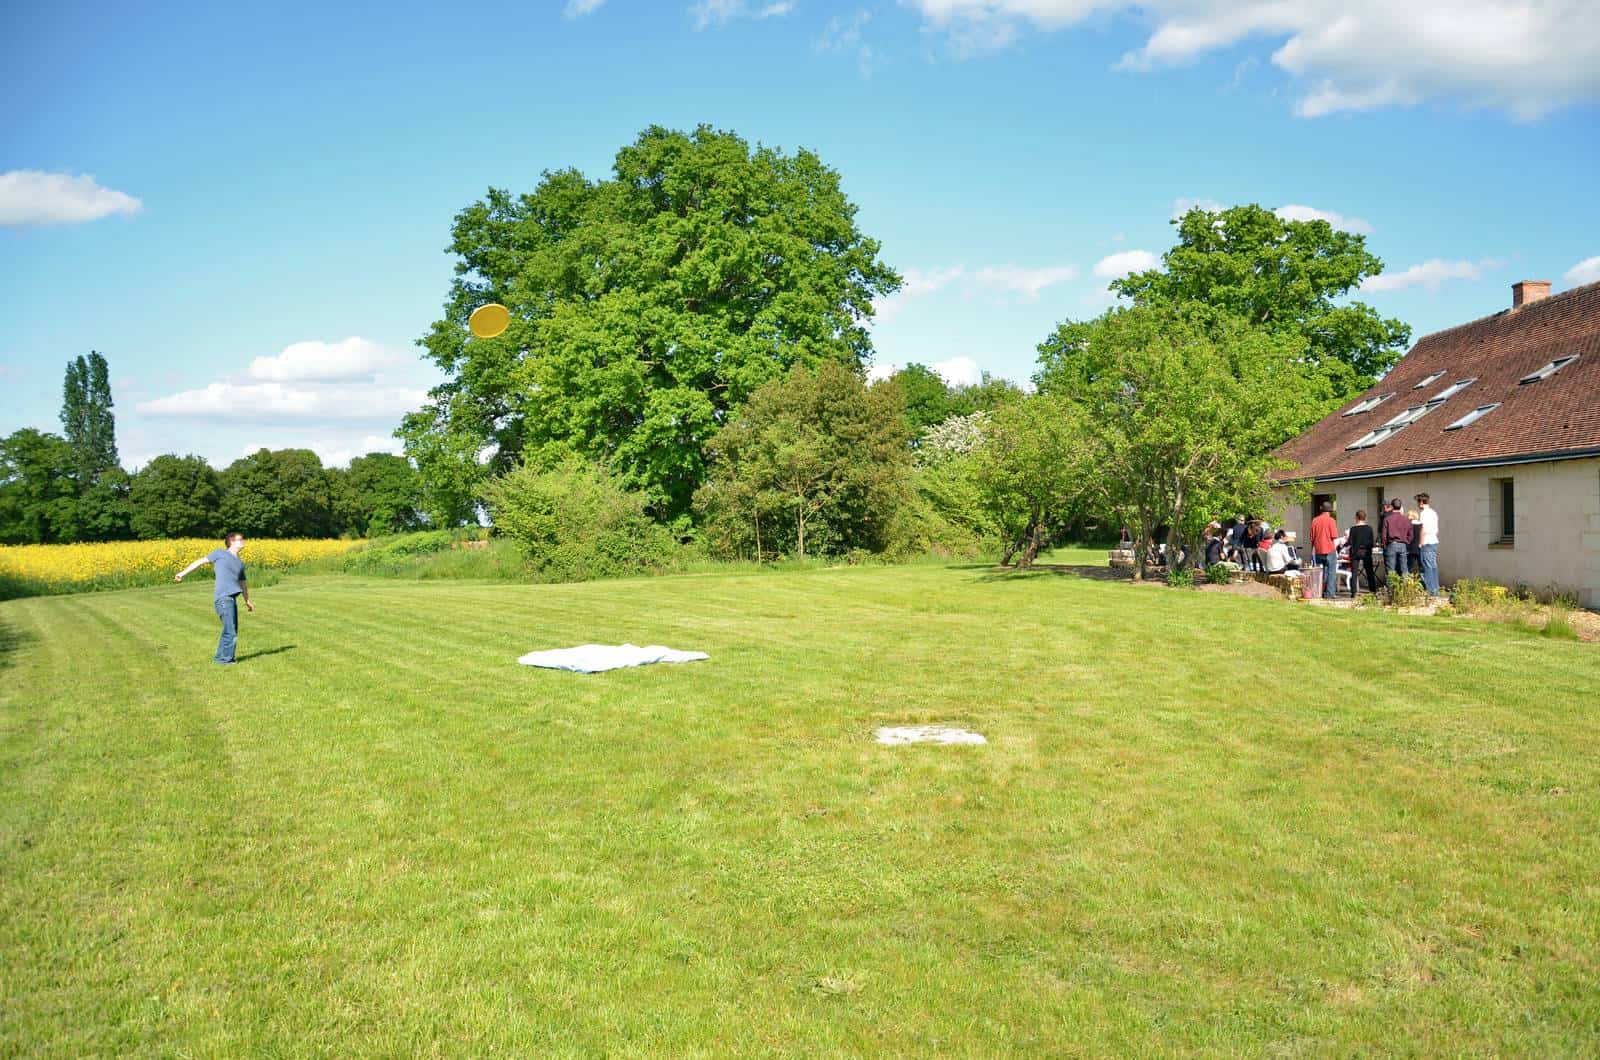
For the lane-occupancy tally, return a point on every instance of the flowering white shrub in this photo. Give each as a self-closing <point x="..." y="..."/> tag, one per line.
<point x="956" y="436"/>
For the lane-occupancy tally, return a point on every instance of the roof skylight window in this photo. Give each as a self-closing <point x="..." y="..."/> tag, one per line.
<point x="1548" y="370"/>
<point x="1473" y="417"/>
<point x="1411" y="415"/>
<point x="1455" y="388"/>
<point x="1434" y="378"/>
<point x="1372" y="438"/>
<point x="1369" y="404"/>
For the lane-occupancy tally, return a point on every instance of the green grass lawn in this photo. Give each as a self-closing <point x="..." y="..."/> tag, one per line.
<point x="1202" y="823"/>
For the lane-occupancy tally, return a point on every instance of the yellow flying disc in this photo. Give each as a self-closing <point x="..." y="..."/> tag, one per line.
<point x="490" y="320"/>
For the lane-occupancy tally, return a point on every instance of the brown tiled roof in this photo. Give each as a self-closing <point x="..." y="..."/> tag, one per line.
<point x="1558" y="416"/>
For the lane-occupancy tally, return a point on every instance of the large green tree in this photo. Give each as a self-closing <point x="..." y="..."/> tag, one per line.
<point x="105" y="510"/>
<point x="38" y="489"/>
<point x="175" y="496"/>
<point x="1179" y="412"/>
<point x="279" y="493"/>
<point x="1032" y="470"/>
<point x="815" y="462"/>
<point x="87" y="418"/>
<point x="645" y="308"/>
<point x="930" y="400"/>
<point x="385" y="494"/>
<point x="1289" y="277"/>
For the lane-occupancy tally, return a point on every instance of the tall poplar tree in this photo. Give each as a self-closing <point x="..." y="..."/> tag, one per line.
<point x="87" y="418"/>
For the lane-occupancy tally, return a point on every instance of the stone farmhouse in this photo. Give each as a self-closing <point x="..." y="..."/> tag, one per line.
<point x="1498" y="421"/>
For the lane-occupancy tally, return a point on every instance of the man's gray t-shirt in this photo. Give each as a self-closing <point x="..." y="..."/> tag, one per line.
<point x="230" y="572"/>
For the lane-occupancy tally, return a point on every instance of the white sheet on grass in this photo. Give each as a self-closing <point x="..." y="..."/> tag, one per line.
<point x="593" y="658"/>
<point x="904" y="734"/>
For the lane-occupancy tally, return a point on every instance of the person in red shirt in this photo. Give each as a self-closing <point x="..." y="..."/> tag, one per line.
<point x="1324" y="531"/>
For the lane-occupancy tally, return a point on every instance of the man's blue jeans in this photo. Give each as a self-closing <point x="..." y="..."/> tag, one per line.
<point x="1430" y="569"/>
<point x="1329" y="562"/>
<point x="1394" y="557"/>
<point x="228" y="611"/>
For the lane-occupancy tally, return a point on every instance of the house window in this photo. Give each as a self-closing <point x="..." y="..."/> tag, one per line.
<point x="1434" y="378"/>
<point x="1503" y="511"/>
<point x="1548" y="370"/>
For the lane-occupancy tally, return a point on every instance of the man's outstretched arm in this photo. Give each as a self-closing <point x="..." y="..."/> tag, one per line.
<point x="201" y="562"/>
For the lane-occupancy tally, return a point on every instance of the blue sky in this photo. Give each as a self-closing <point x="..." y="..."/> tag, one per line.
<point x="246" y="211"/>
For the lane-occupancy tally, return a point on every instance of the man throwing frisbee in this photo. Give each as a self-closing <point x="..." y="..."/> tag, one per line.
<point x="229" y="569"/>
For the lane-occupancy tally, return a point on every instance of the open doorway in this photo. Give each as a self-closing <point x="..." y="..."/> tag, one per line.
<point x="1376" y="496"/>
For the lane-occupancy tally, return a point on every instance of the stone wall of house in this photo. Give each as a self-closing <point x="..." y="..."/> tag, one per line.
<point x="1556" y="518"/>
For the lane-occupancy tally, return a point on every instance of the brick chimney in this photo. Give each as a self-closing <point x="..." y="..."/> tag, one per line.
<point x="1528" y="292"/>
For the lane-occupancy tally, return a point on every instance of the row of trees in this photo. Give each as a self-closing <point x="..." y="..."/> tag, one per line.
<point x="70" y="487"/>
<point x="270" y="493"/>
<point x="692" y="328"/>
<point x="687" y="356"/>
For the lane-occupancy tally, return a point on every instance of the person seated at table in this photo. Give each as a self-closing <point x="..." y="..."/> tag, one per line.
<point x="1235" y="539"/>
<point x="1278" y="559"/>
<point x="1213" y="543"/>
<point x="1251" y="544"/>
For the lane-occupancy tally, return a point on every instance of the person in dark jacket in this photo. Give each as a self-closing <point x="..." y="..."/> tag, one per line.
<point x="1394" y="535"/>
<point x="1235" y="540"/>
<point x="1360" y="539"/>
<point x="1249" y="543"/>
<point x="1214" y="544"/>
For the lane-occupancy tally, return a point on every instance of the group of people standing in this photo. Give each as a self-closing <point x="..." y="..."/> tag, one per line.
<point x="1404" y="541"/>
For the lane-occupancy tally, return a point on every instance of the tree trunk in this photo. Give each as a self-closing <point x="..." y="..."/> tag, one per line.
<point x="1034" y="539"/>
<point x="800" y="528"/>
<point x="1141" y="553"/>
<point x="1011" y="550"/>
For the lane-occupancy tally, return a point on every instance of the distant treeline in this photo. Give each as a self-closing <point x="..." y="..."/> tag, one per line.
<point x="57" y="489"/>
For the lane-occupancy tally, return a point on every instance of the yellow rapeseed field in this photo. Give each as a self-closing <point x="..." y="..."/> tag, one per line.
<point x="65" y="568"/>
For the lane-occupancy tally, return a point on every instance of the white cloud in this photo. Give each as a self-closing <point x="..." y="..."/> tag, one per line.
<point x="844" y="35"/>
<point x="1181" y="206"/>
<point x="579" y="8"/>
<point x="958" y="371"/>
<point x="1296" y="212"/>
<point x="256" y="402"/>
<point x="919" y="282"/>
<point x="707" y="13"/>
<point x="1585" y="271"/>
<point x="353" y="359"/>
<point x="1009" y="279"/>
<point x="32" y="197"/>
<point x="1115" y="266"/>
<point x="1431" y="275"/>
<point x="333" y="451"/>
<point x="1526" y="57"/>
<point x="1027" y="282"/>
<point x="338" y="452"/>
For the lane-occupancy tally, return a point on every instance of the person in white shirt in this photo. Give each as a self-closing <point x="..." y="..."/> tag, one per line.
<point x="1429" y="544"/>
<point x="1278" y="559"/>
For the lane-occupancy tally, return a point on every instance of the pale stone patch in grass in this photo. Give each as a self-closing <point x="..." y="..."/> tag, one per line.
<point x="895" y="735"/>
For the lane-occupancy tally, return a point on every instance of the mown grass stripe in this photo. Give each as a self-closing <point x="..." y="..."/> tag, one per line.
<point x="1173" y="842"/>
